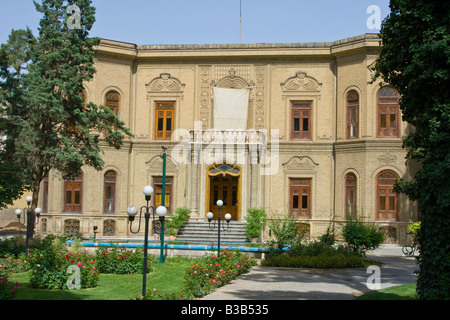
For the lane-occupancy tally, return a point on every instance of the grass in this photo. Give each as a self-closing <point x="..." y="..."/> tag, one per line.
<point x="403" y="292"/>
<point x="110" y="286"/>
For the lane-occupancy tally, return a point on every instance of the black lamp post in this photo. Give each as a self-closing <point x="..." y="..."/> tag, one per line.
<point x="210" y="215"/>
<point x="26" y="219"/>
<point x="161" y="212"/>
<point x="95" y="231"/>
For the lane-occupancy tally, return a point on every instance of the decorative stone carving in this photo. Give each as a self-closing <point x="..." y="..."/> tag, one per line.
<point x="165" y="83"/>
<point x="300" y="163"/>
<point x="387" y="158"/>
<point x="233" y="82"/>
<point x="205" y="96"/>
<point x="259" y="98"/>
<point x="301" y="82"/>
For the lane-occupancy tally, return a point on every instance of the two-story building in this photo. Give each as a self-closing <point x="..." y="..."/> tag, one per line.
<point x="297" y="128"/>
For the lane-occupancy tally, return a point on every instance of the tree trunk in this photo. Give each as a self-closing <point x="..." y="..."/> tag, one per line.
<point x="34" y="203"/>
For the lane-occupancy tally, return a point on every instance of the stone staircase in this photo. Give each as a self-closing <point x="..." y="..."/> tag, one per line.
<point x="199" y="232"/>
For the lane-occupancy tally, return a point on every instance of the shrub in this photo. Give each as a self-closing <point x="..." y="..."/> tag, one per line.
<point x="316" y="255"/>
<point x="321" y="261"/>
<point x="285" y="232"/>
<point x="256" y="218"/>
<point x="13" y="247"/>
<point x="328" y="237"/>
<point x="121" y="261"/>
<point x="361" y="236"/>
<point x="177" y="219"/>
<point x="12" y="265"/>
<point x="49" y="267"/>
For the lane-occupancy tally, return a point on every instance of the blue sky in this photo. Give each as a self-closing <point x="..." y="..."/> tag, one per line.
<point x="212" y="21"/>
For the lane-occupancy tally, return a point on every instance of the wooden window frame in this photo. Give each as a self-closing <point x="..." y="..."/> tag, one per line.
<point x="301" y="110"/>
<point x="388" y="106"/>
<point x="157" y="187"/>
<point x="73" y="186"/>
<point x="110" y="181"/>
<point x="164" y="110"/>
<point x="350" y="185"/>
<point x="112" y="101"/>
<point x="300" y="187"/>
<point x="352" y="105"/>
<point x="385" y="188"/>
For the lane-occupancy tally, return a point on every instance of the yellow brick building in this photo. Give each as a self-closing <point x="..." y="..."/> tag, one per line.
<point x="320" y="140"/>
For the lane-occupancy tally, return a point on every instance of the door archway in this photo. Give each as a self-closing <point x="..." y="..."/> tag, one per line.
<point x="224" y="183"/>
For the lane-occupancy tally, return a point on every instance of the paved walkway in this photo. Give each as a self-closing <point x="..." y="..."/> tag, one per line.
<point x="270" y="283"/>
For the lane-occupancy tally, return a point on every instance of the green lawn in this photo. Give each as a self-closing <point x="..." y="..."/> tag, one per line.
<point x="166" y="277"/>
<point x="403" y="292"/>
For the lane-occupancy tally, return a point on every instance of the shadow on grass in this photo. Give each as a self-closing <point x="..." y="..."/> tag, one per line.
<point x="403" y="292"/>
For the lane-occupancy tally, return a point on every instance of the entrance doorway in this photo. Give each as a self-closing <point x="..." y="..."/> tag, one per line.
<point x="224" y="184"/>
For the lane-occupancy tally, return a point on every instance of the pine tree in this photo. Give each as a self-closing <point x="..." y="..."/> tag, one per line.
<point x="55" y="129"/>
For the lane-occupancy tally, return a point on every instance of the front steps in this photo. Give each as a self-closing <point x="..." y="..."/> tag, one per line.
<point x="199" y="232"/>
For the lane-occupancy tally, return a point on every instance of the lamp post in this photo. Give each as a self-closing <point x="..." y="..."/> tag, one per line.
<point x="26" y="219"/>
<point x="95" y="231"/>
<point x="161" y="212"/>
<point x="132" y="212"/>
<point x="210" y="215"/>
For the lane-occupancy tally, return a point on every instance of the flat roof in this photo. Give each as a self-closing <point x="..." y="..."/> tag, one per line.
<point x="260" y="49"/>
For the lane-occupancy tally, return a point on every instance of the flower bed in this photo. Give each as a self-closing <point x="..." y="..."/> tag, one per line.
<point x="121" y="261"/>
<point x="51" y="268"/>
<point x="208" y="273"/>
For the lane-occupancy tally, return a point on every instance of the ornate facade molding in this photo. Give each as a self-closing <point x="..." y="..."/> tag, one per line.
<point x="165" y="83"/>
<point x="301" y="82"/>
<point x="300" y="163"/>
<point x="387" y="158"/>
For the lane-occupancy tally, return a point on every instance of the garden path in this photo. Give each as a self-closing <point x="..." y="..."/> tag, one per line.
<point x="271" y="283"/>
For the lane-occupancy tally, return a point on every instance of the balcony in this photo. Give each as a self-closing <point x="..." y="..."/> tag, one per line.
<point x="230" y="137"/>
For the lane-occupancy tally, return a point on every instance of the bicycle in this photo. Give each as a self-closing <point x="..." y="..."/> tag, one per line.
<point x="410" y="249"/>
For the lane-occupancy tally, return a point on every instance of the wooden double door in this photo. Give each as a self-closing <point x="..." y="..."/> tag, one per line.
<point x="225" y="188"/>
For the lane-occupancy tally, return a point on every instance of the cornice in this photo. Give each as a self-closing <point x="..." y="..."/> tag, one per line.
<point x="261" y="50"/>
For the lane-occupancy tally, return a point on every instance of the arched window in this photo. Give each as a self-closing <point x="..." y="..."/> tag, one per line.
<point x="73" y="194"/>
<point x="352" y="114"/>
<point x="350" y="194"/>
<point x="112" y="101"/>
<point x="388" y="112"/>
<point x="386" y="197"/>
<point x="109" y="203"/>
